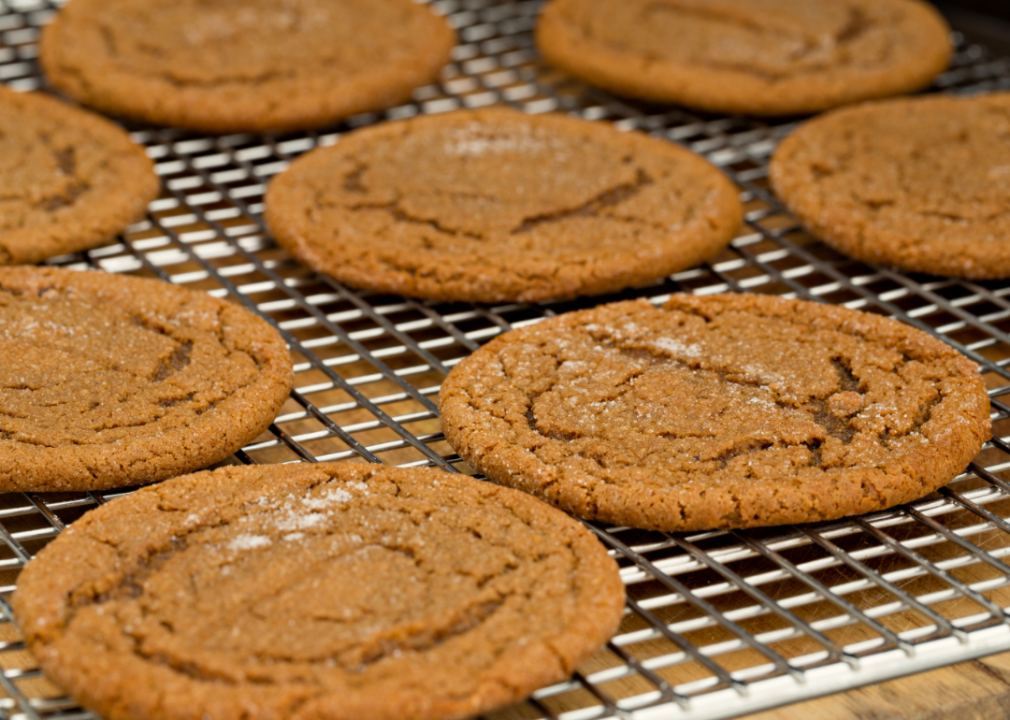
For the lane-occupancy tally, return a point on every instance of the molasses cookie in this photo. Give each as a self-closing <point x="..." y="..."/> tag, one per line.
<point x="338" y="591"/>
<point x="769" y="57"/>
<point x="107" y="380"/>
<point x="494" y="205"/>
<point x="717" y="412"/>
<point x="223" y="66"/>
<point x="69" y="180"/>
<point x="922" y="183"/>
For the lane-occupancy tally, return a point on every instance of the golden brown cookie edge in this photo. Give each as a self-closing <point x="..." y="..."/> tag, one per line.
<point x="40" y="608"/>
<point x="683" y="508"/>
<point x="295" y="234"/>
<point x="125" y="204"/>
<point x="853" y="236"/>
<point x="705" y="89"/>
<point x="224" y="430"/>
<point x="122" y="94"/>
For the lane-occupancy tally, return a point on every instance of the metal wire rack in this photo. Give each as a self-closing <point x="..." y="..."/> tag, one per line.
<point x="718" y="624"/>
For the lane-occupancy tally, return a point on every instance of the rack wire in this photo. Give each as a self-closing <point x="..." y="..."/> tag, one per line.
<point x="717" y="624"/>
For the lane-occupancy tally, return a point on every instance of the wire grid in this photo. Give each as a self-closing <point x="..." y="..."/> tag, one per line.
<point x="717" y="623"/>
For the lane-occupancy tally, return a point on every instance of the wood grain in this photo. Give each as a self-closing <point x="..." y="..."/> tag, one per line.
<point x="974" y="690"/>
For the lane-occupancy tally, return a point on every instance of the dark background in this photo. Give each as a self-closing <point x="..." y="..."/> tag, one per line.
<point x="983" y="21"/>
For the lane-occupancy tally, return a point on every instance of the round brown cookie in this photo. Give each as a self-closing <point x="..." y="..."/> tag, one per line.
<point x="336" y="591"/>
<point x="762" y="57"/>
<point x="716" y="412"/>
<point x="224" y="66"/>
<point x="494" y="205"/>
<point x="69" y="180"/>
<point x="107" y="380"/>
<point x="921" y="183"/>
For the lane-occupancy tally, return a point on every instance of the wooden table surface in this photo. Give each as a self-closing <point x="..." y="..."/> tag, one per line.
<point x="974" y="690"/>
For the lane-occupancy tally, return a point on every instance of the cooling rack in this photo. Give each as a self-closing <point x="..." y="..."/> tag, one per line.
<point x="718" y="624"/>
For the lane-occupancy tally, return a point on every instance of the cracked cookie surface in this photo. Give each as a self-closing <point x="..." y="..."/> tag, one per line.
<point x="495" y="205"/>
<point x="107" y="380"/>
<point x="761" y="57"/>
<point x="716" y="412"/>
<point x="225" y="66"/>
<point x="333" y="590"/>
<point x="69" y="180"/>
<point x="920" y="183"/>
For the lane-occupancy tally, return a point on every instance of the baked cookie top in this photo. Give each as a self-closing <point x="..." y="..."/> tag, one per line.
<point x="224" y="66"/>
<point x="717" y="412"/>
<point x="108" y="380"/>
<point x="760" y="57"/>
<point x="337" y="591"/>
<point x="69" y="180"/>
<point x="919" y="183"/>
<point x="495" y="205"/>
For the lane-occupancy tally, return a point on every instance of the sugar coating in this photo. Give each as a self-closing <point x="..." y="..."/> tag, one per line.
<point x="677" y="348"/>
<point x="475" y="139"/>
<point x="336" y="495"/>
<point x="249" y="542"/>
